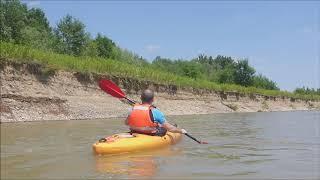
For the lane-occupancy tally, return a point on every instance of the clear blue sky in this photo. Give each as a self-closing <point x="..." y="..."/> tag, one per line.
<point x="280" y="39"/>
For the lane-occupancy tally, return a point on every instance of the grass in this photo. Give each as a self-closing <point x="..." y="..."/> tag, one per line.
<point x="25" y="54"/>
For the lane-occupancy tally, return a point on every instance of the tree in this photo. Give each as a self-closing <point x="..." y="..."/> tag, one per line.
<point x="23" y="26"/>
<point x="243" y="74"/>
<point x="13" y="20"/>
<point x="263" y="82"/>
<point x="36" y="38"/>
<point x="37" y="33"/>
<point x="105" y="46"/>
<point x="222" y="61"/>
<point x="190" y="69"/>
<point x="225" y="75"/>
<point x="37" y="19"/>
<point x="164" y="64"/>
<point x="71" y="37"/>
<point x="91" y="49"/>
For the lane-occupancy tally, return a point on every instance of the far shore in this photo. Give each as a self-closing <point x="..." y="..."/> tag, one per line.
<point x="64" y="97"/>
<point x="123" y="117"/>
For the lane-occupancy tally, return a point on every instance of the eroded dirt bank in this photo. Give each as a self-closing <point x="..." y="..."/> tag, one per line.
<point x="29" y="92"/>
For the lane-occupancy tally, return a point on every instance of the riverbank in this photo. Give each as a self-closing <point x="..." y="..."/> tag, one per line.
<point x="30" y="94"/>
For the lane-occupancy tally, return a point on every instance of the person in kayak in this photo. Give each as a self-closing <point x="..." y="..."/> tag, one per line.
<point x="144" y="118"/>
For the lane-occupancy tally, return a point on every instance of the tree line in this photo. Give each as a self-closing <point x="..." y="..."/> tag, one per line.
<point x="30" y="26"/>
<point x="220" y="69"/>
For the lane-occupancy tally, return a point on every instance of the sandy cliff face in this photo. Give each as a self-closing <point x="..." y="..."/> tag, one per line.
<point x="29" y="93"/>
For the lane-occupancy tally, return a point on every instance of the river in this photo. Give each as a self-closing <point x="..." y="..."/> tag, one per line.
<point x="241" y="145"/>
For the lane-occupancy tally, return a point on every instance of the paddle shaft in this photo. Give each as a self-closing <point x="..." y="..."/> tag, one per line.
<point x="130" y="101"/>
<point x="193" y="138"/>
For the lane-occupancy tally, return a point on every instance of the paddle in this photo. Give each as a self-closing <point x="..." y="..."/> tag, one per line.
<point x="200" y="142"/>
<point x="112" y="89"/>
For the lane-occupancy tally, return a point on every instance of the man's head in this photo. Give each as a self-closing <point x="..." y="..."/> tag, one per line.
<point x="147" y="96"/>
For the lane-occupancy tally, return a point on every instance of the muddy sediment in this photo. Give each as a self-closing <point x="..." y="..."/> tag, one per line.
<point x="30" y="92"/>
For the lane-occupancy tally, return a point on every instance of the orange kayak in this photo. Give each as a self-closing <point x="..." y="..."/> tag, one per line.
<point x="125" y="143"/>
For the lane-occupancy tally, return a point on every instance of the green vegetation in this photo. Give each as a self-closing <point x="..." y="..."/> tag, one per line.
<point x="70" y="36"/>
<point x="263" y="82"/>
<point x="307" y="91"/>
<point x="27" y="37"/>
<point x="30" y="27"/>
<point x="221" y="69"/>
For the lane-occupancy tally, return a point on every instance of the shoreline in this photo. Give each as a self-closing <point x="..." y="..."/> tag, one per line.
<point x="29" y="95"/>
<point x="169" y="116"/>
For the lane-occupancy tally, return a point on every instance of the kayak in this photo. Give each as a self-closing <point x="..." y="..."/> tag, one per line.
<point x="126" y="142"/>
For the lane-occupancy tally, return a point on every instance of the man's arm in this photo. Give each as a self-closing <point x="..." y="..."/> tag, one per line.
<point x="173" y="129"/>
<point x="159" y="118"/>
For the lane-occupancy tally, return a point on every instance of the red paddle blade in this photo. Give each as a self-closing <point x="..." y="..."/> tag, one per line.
<point x="111" y="88"/>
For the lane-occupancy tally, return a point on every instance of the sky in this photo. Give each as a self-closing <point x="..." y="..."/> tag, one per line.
<point x="280" y="39"/>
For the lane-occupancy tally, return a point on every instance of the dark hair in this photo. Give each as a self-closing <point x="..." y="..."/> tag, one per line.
<point x="147" y="96"/>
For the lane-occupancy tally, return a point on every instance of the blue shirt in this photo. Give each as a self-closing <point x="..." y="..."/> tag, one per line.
<point x="158" y="116"/>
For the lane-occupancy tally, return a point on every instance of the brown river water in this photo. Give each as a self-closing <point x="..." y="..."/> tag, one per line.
<point x="241" y="146"/>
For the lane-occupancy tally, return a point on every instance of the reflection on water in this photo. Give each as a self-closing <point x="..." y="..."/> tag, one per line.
<point x="137" y="165"/>
<point x="241" y="145"/>
<point x="131" y="166"/>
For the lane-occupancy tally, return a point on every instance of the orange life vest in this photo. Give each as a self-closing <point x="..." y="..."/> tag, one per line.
<point x="140" y="119"/>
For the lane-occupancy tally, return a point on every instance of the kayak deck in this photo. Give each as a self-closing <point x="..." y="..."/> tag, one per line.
<point x="125" y="142"/>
